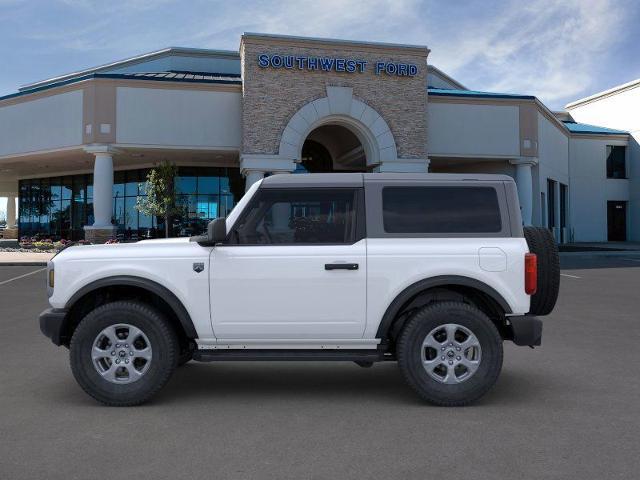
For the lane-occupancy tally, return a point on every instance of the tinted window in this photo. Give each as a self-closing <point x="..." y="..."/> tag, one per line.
<point x="616" y="162"/>
<point x="313" y="216"/>
<point x="441" y="210"/>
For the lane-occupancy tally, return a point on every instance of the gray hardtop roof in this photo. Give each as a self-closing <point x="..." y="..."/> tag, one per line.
<point x="358" y="179"/>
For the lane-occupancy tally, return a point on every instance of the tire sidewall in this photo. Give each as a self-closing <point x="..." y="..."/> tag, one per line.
<point x="154" y="327"/>
<point x="410" y="355"/>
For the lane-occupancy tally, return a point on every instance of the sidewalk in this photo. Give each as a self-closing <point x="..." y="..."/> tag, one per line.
<point x="600" y="247"/>
<point x="24" y="259"/>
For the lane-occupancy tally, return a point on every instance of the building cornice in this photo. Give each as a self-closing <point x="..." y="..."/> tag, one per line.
<point x="311" y="42"/>
<point x="120" y="80"/>
<point x="604" y="94"/>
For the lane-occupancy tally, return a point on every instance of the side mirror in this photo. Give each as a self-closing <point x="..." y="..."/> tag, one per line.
<point x="217" y="230"/>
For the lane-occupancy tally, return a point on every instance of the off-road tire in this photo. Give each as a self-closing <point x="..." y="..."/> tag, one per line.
<point x="541" y="242"/>
<point x="409" y="345"/>
<point x="161" y="337"/>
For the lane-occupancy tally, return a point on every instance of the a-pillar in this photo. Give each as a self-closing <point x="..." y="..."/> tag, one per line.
<point x="102" y="228"/>
<point x="524" y="181"/>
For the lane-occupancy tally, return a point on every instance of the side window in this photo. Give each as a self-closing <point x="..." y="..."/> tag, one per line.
<point x="441" y="210"/>
<point x="616" y="167"/>
<point x="292" y="216"/>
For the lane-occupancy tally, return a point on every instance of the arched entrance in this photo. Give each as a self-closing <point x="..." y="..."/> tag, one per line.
<point x="337" y="133"/>
<point x="332" y="148"/>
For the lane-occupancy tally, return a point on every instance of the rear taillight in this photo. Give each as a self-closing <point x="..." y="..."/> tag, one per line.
<point x="530" y="273"/>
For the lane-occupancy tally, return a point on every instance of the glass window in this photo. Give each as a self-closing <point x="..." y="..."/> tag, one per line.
<point x="118" y="184"/>
<point x="79" y="188"/>
<point x="441" y="210"/>
<point x="208" y="185"/>
<point x="56" y="188"/>
<point x="63" y="205"/>
<point x="67" y="189"/>
<point x="90" y="186"/>
<point x="186" y="184"/>
<point x="616" y="167"/>
<point x="131" y="214"/>
<point x="551" y="203"/>
<point x="312" y="216"/>
<point x="118" y="213"/>
<point x="131" y="184"/>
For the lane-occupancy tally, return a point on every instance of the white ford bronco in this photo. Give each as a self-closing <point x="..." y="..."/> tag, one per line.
<point x="433" y="271"/>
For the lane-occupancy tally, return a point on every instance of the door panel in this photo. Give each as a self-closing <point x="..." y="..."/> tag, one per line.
<point x="287" y="292"/>
<point x="294" y="267"/>
<point x="617" y="221"/>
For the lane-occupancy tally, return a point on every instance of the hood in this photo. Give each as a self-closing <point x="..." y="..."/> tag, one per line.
<point x="157" y="248"/>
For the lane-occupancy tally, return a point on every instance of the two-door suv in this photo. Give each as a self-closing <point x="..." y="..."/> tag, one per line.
<point x="433" y="271"/>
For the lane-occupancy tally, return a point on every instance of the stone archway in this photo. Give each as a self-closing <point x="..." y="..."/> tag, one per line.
<point x="340" y="108"/>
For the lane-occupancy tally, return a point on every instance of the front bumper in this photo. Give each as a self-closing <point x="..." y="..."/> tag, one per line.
<point x="526" y="330"/>
<point x="52" y="324"/>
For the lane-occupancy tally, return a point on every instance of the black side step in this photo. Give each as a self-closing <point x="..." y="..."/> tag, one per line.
<point x="289" y="355"/>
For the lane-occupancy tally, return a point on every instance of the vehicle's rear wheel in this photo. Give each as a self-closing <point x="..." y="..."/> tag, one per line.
<point x="541" y="242"/>
<point x="123" y="353"/>
<point x="450" y="353"/>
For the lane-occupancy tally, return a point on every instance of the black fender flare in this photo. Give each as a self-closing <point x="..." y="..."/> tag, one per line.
<point x="132" y="281"/>
<point x="440" y="281"/>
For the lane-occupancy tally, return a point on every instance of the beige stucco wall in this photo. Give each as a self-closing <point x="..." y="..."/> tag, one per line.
<point x="272" y="96"/>
<point x="178" y="117"/>
<point x="473" y="129"/>
<point x="50" y="122"/>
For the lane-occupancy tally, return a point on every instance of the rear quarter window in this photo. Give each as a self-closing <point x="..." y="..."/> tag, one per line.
<point x="441" y="210"/>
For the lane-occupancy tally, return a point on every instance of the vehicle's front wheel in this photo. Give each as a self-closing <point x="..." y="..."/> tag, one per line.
<point x="450" y="353"/>
<point x="123" y="353"/>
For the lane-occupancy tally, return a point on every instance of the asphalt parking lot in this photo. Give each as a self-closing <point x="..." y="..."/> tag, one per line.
<point x="570" y="409"/>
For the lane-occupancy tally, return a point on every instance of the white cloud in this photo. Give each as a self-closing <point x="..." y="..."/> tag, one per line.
<point x="547" y="48"/>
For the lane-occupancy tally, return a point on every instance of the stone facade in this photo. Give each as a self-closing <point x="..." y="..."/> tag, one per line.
<point x="272" y="96"/>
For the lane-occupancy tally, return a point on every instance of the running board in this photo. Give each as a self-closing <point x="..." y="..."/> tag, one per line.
<point x="290" y="355"/>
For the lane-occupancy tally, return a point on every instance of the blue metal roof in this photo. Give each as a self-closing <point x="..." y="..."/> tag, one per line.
<point x="444" y="92"/>
<point x="575" y="127"/>
<point x="188" y="77"/>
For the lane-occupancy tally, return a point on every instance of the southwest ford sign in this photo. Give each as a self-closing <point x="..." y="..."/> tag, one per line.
<point x="334" y="64"/>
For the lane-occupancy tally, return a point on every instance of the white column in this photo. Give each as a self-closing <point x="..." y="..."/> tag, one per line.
<point x="524" y="181"/>
<point x="11" y="211"/>
<point x="251" y="177"/>
<point x="103" y="189"/>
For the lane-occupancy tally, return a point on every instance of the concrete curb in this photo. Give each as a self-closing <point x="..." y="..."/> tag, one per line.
<point x="608" y="253"/>
<point x="23" y="264"/>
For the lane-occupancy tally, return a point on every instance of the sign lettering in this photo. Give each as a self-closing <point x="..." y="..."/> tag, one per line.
<point x="332" y="64"/>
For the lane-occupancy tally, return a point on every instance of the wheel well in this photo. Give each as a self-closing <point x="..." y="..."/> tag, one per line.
<point x="111" y="293"/>
<point x="444" y="293"/>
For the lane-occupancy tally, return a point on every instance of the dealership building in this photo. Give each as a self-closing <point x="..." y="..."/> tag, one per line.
<point x="75" y="149"/>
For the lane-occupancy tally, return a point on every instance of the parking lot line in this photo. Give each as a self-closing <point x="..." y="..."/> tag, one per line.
<point x="567" y="275"/>
<point x="22" y="276"/>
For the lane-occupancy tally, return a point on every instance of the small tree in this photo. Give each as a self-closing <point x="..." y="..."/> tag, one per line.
<point x="161" y="195"/>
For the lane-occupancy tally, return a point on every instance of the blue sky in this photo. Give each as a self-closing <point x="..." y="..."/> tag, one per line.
<point x="557" y="50"/>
